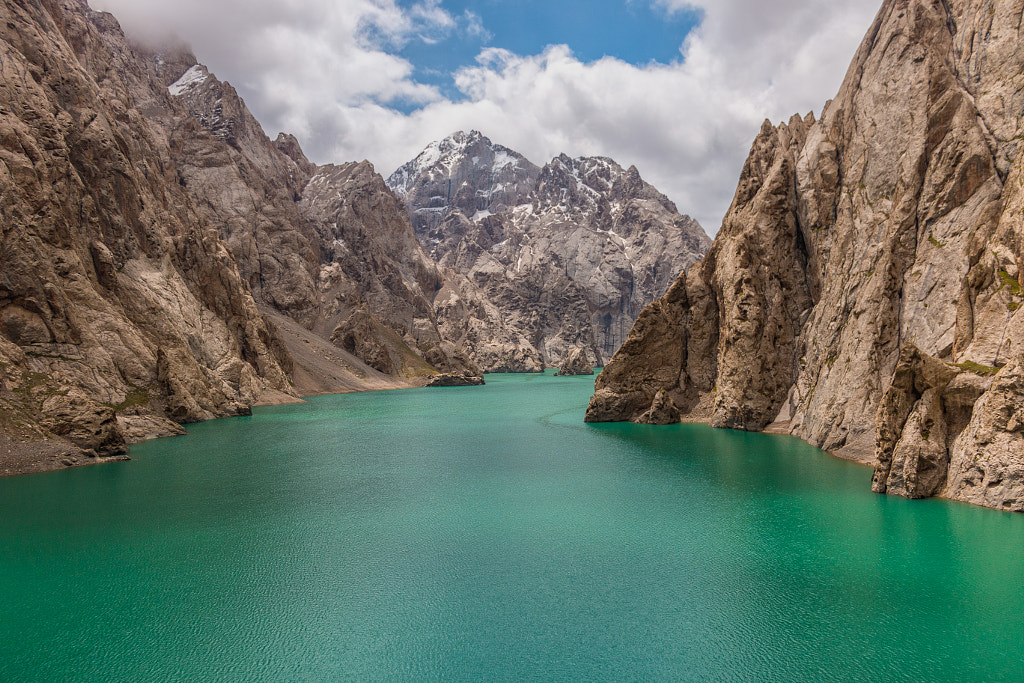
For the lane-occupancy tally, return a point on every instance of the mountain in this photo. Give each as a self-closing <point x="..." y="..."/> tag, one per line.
<point x="122" y="311"/>
<point x="568" y="253"/>
<point x="328" y="252"/>
<point x="864" y="292"/>
<point x="163" y="261"/>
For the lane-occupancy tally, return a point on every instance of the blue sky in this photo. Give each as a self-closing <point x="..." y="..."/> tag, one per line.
<point x="635" y="32"/>
<point x="677" y="87"/>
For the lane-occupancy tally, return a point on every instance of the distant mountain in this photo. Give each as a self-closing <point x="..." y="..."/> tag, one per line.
<point x="569" y="253"/>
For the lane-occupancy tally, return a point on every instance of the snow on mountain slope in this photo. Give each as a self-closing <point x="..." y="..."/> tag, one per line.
<point x="570" y="252"/>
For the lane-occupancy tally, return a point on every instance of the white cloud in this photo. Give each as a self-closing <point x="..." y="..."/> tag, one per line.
<point x="321" y="69"/>
<point x="475" y="26"/>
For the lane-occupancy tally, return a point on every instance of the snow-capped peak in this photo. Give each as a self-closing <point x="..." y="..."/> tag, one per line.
<point x="445" y="155"/>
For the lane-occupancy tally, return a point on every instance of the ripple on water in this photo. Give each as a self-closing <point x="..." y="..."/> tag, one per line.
<point x="488" y="534"/>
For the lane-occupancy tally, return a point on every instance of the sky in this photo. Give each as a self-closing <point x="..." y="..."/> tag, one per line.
<point x="677" y="87"/>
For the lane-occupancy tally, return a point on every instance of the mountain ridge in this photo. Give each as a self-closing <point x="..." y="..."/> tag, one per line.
<point x="586" y="228"/>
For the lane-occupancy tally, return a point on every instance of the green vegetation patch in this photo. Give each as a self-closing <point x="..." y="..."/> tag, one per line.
<point x="976" y="368"/>
<point x="136" y="397"/>
<point x="1011" y="283"/>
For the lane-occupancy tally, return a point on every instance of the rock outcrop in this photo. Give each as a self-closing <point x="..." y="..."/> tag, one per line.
<point x="576" y="362"/>
<point x="952" y="431"/>
<point x="151" y="231"/>
<point x="120" y="305"/>
<point x="895" y="218"/>
<point x="454" y="379"/>
<point x="663" y="411"/>
<point x="568" y="253"/>
<point x="985" y="462"/>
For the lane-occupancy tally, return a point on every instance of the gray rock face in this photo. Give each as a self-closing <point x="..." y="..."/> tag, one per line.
<point x="469" y="320"/>
<point x="330" y="247"/>
<point x="576" y="362"/>
<point x="106" y="266"/>
<point x="895" y="218"/>
<point x="244" y="184"/>
<point x="376" y="284"/>
<point x="569" y="253"/>
<point x="465" y="172"/>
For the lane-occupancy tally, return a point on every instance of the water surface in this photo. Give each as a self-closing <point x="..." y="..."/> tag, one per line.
<point x="486" y="533"/>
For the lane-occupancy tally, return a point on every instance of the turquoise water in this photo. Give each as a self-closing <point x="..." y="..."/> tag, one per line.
<point x="487" y="534"/>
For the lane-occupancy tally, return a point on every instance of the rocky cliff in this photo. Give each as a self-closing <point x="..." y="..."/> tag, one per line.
<point x="329" y="248"/>
<point x="122" y="312"/>
<point x="568" y="253"/>
<point x="864" y="291"/>
<point x="152" y="232"/>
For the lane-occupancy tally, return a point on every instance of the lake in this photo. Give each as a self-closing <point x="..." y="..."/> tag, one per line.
<point x="488" y="534"/>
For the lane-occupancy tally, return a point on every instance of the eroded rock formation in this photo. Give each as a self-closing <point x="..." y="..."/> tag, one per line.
<point x="895" y="218"/>
<point x="120" y="306"/>
<point x="576" y="362"/>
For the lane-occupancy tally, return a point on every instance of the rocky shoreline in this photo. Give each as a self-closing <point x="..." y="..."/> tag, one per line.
<point x="164" y="261"/>
<point x="865" y="290"/>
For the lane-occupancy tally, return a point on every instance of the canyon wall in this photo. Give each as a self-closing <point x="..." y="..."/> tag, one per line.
<point x="864" y="290"/>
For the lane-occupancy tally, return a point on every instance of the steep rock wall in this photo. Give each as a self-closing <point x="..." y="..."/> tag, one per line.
<point x="896" y="218"/>
<point x="120" y="307"/>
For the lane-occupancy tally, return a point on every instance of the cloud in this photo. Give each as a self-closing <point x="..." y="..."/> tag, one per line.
<point x="475" y="26"/>
<point x="325" y="71"/>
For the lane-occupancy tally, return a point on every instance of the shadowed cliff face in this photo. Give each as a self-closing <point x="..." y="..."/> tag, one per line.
<point x="569" y="253"/>
<point x="120" y="307"/>
<point x="894" y="219"/>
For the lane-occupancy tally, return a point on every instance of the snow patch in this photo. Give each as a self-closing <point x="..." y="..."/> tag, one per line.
<point x="430" y="156"/>
<point x="503" y="159"/>
<point x="481" y="214"/>
<point x="194" y="76"/>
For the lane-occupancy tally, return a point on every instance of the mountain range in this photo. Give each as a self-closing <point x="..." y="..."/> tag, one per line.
<point x="570" y="253"/>
<point x="163" y="261"/>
